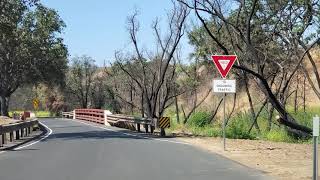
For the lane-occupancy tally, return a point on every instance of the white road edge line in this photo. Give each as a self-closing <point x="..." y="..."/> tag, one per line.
<point x="129" y="134"/>
<point x="34" y="142"/>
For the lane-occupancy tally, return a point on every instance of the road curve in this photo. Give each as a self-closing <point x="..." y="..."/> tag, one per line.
<point x="77" y="151"/>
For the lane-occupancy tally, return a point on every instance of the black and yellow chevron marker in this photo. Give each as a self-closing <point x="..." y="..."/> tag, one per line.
<point x="164" y="122"/>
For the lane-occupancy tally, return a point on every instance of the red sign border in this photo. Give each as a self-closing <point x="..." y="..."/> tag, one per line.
<point x="216" y="58"/>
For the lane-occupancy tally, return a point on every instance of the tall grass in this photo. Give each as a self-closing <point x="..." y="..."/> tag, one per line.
<point x="238" y="125"/>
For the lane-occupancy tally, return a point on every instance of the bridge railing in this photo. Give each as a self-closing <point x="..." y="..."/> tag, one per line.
<point x="106" y="117"/>
<point x="21" y="129"/>
<point x="92" y="115"/>
<point x="69" y="114"/>
<point x="131" y="122"/>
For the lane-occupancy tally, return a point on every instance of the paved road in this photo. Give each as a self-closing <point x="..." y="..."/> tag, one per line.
<point x="76" y="151"/>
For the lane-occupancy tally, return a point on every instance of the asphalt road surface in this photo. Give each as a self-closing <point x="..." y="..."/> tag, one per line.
<point x="77" y="151"/>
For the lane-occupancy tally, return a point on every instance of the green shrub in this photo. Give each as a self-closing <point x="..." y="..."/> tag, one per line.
<point x="238" y="128"/>
<point x="200" y="119"/>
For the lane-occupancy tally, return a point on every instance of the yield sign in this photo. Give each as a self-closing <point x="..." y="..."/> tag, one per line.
<point x="224" y="63"/>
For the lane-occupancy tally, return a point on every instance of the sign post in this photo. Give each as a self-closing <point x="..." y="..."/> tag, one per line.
<point x="224" y="121"/>
<point x="315" y="146"/>
<point x="224" y="64"/>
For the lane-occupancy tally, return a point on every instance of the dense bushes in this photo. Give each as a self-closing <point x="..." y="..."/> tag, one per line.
<point x="200" y="119"/>
<point x="238" y="126"/>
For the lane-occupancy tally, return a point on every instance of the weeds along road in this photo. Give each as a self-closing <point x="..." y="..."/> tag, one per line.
<point x="78" y="151"/>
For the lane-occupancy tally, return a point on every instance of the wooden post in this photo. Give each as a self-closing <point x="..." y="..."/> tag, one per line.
<point x="138" y="127"/>
<point x="1" y="143"/>
<point x="11" y="136"/>
<point x="22" y="132"/>
<point x="4" y="138"/>
<point x="151" y="129"/>
<point x="17" y="135"/>
<point x="162" y="132"/>
<point x="146" y="127"/>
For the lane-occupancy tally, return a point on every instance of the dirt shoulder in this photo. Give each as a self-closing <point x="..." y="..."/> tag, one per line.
<point x="6" y="120"/>
<point x="279" y="160"/>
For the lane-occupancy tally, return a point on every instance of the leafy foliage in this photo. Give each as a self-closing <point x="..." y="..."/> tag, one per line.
<point x="80" y="79"/>
<point x="200" y="119"/>
<point x="31" y="50"/>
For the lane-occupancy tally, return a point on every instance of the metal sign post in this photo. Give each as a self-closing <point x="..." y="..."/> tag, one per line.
<point x="224" y="86"/>
<point x="224" y="121"/>
<point x="315" y="146"/>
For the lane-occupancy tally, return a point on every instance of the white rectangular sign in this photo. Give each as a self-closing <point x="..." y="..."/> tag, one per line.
<point x="224" y="85"/>
<point x="315" y="126"/>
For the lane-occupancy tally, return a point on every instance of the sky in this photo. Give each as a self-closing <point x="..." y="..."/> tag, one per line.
<point x="97" y="28"/>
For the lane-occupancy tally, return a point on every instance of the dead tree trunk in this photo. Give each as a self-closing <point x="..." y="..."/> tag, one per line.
<point x="253" y="115"/>
<point x="270" y="114"/>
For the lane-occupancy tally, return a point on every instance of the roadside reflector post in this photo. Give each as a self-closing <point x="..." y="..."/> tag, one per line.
<point x="315" y="134"/>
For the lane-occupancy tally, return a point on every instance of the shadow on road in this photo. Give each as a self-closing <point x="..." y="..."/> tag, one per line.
<point x="63" y="127"/>
<point x="94" y="135"/>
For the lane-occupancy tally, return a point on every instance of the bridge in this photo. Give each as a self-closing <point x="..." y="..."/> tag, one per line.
<point x="86" y="145"/>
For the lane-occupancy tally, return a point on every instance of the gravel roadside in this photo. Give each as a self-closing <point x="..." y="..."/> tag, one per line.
<point x="280" y="160"/>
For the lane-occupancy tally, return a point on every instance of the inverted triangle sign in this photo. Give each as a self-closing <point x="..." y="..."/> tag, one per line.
<point x="224" y="63"/>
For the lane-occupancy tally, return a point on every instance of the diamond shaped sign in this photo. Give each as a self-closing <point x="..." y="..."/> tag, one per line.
<point x="224" y="63"/>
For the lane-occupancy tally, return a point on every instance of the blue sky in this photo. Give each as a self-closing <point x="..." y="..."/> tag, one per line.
<point x="98" y="27"/>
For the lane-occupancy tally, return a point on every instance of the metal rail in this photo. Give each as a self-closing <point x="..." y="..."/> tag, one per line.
<point x="68" y="114"/>
<point x="21" y="129"/>
<point x="105" y="117"/>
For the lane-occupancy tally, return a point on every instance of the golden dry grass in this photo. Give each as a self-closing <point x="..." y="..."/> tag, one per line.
<point x="6" y="120"/>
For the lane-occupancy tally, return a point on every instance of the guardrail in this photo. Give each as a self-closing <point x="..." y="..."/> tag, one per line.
<point x="105" y="117"/>
<point x="21" y="129"/>
<point x="92" y="115"/>
<point x="131" y="122"/>
<point x="69" y="114"/>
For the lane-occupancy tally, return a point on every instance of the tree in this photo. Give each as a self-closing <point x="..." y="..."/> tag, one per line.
<point x="80" y="79"/>
<point x="31" y="50"/>
<point x="266" y="36"/>
<point x="99" y="89"/>
<point x="154" y="75"/>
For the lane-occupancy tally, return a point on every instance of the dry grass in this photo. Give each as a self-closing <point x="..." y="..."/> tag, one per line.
<point x="6" y="120"/>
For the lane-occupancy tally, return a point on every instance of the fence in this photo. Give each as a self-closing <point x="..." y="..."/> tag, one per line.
<point x="106" y="117"/>
<point x="131" y="122"/>
<point x="21" y="129"/>
<point x="68" y="114"/>
<point x="92" y="115"/>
